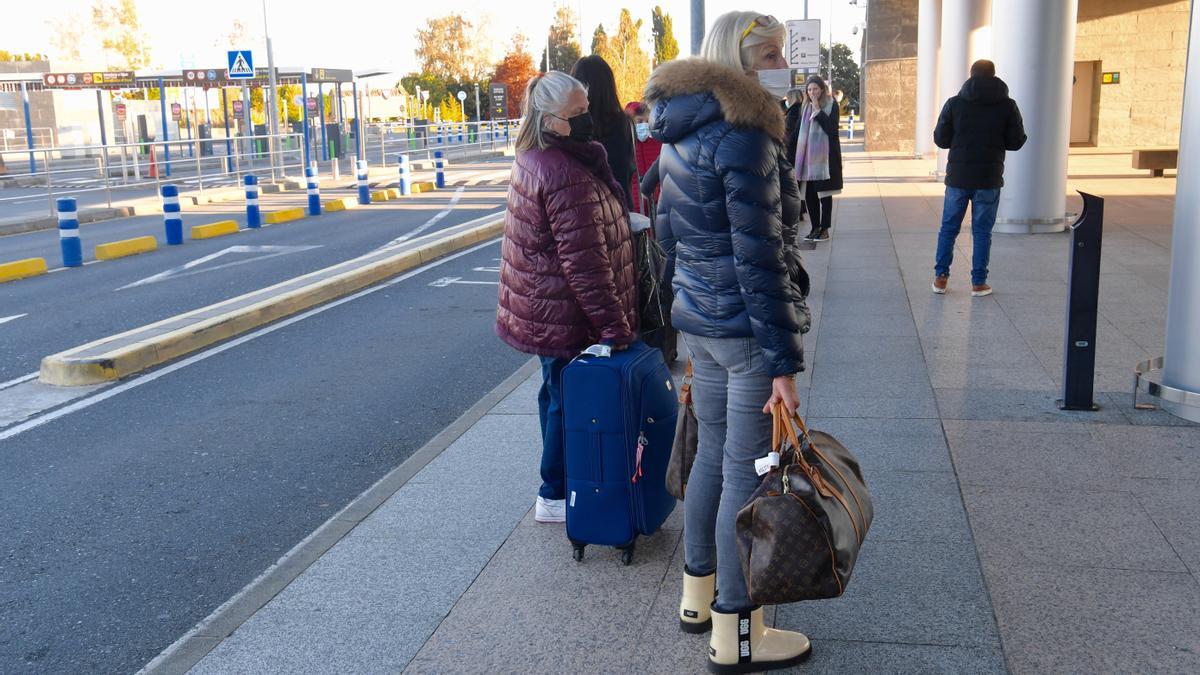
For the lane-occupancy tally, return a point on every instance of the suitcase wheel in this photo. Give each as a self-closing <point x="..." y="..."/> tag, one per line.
<point x="577" y="552"/>
<point x="627" y="555"/>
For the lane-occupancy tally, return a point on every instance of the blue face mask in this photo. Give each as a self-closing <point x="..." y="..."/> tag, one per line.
<point x="642" y="129"/>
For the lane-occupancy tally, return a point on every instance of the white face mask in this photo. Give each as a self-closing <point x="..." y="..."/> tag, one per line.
<point x="642" y="129"/>
<point x="778" y="81"/>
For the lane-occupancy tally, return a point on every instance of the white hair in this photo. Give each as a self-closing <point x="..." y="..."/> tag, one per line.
<point x="725" y="44"/>
<point x="544" y="94"/>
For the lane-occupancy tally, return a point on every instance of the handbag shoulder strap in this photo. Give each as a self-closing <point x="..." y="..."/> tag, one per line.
<point x="819" y="483"/>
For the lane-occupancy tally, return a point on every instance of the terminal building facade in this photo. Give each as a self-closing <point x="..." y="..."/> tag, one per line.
<point x="1128" y="68"/>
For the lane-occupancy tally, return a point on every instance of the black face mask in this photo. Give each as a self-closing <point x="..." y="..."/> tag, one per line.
<point x="581" y="127"/>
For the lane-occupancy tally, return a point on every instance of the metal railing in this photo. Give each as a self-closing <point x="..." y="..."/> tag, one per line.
<point x="383" y="142"/>
<point x="13" y="140"/>
<point x="187" y="163"/>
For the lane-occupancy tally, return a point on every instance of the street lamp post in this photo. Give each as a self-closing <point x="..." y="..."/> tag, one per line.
<point x="272" y="109"/>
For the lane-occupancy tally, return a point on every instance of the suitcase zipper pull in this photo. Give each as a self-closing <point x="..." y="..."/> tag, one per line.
<point x="641" y="447"/>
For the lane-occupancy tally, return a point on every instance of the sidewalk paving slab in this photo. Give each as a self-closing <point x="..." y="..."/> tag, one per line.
<point x="1009" y="536"/>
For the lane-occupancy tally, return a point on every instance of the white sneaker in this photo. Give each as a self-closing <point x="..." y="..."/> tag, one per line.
<point x="550" y="510"/>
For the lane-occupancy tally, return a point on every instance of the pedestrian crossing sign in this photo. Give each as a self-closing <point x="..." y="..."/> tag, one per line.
<point x="241" y="65"/>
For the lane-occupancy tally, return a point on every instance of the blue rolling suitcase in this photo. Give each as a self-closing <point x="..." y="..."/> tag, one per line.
<point x="619" y="419"/>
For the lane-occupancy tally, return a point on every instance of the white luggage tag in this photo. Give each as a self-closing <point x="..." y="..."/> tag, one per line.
<point x="764" y="464"/>
<point x="601" y="351"/>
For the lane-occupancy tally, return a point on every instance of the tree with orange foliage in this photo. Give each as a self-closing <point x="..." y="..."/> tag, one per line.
<point x="515" y="70"/>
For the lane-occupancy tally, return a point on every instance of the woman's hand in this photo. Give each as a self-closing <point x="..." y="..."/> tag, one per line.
<point x="783" y="389"/>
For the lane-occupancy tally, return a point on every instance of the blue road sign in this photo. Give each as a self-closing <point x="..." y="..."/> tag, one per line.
<point x="241" y="65"/>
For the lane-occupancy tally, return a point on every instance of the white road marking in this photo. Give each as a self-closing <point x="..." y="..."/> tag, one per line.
<point x="6" y="319"/>
<point x="188" y="269"/>
<point x="150" y="377"/>
<point x="446" y="281"/>
<point x="429" y="223"/>
<point x="486" y="269"/>
<point x="16" y="381"/>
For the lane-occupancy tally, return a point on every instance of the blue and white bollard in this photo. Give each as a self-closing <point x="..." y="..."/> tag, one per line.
<point x="440" y="133"/>
<point x="68" y="232"/>
<point x="314" y="191"/>
<point x="506" y="125"/>
<point x="460" y="134"/>
<point x="851" y="137"/>
<point x="364" y="190"/>
<point x="405" y="178"/>
<point x="439" y="166"/>
<point x="253" y="215"/>
<point x="172" y="220"/>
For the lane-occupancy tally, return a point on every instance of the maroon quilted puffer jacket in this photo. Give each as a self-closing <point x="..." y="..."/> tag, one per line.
<point x="567" y="275"/>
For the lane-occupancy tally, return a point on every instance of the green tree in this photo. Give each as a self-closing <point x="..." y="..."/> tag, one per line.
<point x="599" y="39"/>
<point x="629" y="62"/>
<point x="452" y="48"/>
<point x="564" y="43"/>
<point x="5" y="55"/>
<point x="121" y="34"/>
<point x="665" y="46"/>
<point x="845" y="72"/>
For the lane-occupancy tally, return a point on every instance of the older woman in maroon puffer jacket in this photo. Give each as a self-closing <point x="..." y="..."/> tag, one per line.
<point x="567" y="275"/>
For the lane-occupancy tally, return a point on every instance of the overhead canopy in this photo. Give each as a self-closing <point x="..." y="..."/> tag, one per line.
<point x="189" y="77"/>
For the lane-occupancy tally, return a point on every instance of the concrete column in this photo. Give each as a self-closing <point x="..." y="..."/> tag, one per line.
<point x="966" y="37"/>
<point x="929" y="37"/>
<point x="1181" y="362"/>
<point x="697" y="26"/>
<point x="1035" y="55"/>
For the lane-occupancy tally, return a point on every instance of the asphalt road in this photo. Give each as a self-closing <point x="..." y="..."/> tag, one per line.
<point x="74" y="306"/>
<point x="130" y="520"/>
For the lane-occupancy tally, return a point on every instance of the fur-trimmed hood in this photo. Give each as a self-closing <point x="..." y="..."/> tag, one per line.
<point x="686" y="94"/>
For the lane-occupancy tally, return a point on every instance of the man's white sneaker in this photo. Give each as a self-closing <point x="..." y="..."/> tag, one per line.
<point x="550" y="510"/>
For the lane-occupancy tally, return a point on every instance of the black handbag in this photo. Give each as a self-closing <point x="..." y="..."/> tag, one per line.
<point x="799" y="534"/>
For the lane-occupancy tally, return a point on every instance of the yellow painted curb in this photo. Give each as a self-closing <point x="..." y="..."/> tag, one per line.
<point x="283" y="216"/>
<point x="423" y="186"/>
<point x="380" y="196"/>
<point x="122" y="355"/>
<point x="20" y="269"/>
<point x="217" y="229"/>
<point x="120" y="249"/>
<point x="343" y="204"/>
<point x="393" y="193"/>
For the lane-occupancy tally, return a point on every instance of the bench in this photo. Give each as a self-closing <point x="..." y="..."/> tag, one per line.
<point x="1155" y="159"/>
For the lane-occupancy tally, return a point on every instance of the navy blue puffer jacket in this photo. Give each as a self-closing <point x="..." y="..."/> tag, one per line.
<point x="729" y="212"/>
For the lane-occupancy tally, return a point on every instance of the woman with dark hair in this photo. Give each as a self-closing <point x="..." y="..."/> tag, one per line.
<point x="610" y="125"/>
<point x="819" y="155"/>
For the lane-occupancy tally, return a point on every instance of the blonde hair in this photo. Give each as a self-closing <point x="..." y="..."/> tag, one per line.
<point x="545" y="94"/>
<point x="725" y="44"/>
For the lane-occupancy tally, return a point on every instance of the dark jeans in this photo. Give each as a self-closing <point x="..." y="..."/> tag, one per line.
<point x="820" y="209"/>
<point x="550" y="413"/>
<point x="983" y="219"/>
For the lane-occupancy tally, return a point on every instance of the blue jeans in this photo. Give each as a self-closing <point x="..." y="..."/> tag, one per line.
<point x="550" y="414"/>
<point x="730" y="387"/>
<point x="983" y="219"/>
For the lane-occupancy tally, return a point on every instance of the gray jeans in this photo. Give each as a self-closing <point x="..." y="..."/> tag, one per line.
<point x="731" y="386"/>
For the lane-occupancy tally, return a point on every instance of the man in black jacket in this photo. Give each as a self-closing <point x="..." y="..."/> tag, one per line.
<point x="977" y="126"/>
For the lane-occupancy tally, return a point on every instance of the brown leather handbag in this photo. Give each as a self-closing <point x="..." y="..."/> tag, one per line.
<point x="800" y="532"/>
<point x="687" y="429"/>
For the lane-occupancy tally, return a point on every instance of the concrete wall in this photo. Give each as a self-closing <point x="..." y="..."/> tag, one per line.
<point x="1145" y="41"/>
<point x="890" y="71"/>
<point x="891" y="105"/>
<point x="41" y="107"/>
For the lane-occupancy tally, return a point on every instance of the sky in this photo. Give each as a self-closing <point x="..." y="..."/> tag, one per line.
<point x="374" y="33"/>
